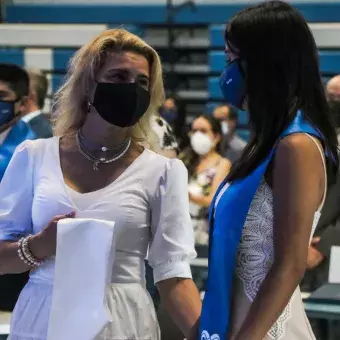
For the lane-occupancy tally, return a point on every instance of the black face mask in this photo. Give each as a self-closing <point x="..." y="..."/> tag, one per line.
<point x="121" y="104"/>
<point x="334" y="108"/>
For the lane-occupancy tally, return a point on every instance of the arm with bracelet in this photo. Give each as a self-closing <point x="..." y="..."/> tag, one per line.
<point x="19" y="250"/>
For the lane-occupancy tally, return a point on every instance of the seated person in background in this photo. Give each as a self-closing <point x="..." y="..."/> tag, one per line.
<point x="35" y="102"/>
<point x="169" y="111"/>
<point x="14" y="88"/>
<point x="333" y="97"/>
<point x="232" y="145"/>
<point x="206" y="168"/>
<point x="327" y="232"/>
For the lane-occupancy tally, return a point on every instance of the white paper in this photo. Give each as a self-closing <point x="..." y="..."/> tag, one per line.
<point x="334" y="265"/>
<point x="83" y="268"/>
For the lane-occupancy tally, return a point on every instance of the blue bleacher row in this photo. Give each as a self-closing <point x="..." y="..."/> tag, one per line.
<point x="329" y="60"/>
<point x="329" y="63"/>
<point x="313" y="11"/>
<point x="51" y="46"/>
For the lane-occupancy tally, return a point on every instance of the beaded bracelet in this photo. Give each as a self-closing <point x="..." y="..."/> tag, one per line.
<point x="25" y="253"/>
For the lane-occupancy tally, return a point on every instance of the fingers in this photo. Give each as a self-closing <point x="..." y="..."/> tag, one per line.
<point x="315" y="240"/>
<point x="72" y="214"/>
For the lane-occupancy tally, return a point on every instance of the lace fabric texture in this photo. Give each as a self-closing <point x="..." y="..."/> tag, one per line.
<point x="254" y="258"/>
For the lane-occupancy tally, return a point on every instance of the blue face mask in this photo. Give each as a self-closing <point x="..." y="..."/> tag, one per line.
<point x="170" y="115"/>
<point x="7" y="112"/>
<point x="232" y="84"/>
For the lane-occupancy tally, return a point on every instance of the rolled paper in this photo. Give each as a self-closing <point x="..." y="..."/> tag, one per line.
<point x="83" y="270"/>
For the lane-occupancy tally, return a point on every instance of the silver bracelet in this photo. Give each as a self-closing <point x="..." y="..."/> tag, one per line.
<point x="25" y="253"/>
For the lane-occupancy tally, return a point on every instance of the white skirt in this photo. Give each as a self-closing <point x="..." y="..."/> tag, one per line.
<point x="132" y="311"/>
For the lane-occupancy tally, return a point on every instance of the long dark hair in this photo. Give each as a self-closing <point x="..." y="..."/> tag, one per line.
<point x="282" y="77"/>
<point x="189" y="157"/>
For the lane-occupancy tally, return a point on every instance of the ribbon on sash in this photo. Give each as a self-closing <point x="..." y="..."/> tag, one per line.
<point x="226" y="224"/>
<point x="83" y="268"/>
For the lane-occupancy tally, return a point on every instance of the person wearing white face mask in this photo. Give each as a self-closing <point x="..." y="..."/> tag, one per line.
<point x="207" y="169"/>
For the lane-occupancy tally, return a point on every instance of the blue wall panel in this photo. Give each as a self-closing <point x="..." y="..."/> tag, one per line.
<point x="12" y="55"/>
<point x="244" y="134"/>
<point x="57" y="81"/>
<point x="324" y="11"/>
<point x="61" y="58"/>
<point x="93" y="14"/>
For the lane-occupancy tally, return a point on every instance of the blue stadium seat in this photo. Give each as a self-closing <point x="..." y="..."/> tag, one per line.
<point x="214" y="89"/>
<point x="216" y="33"/>
<point x="244" y="134"/>
<point x="326" y="35"/>
<point x="329" y="61"/>
<point x="242" y="117"/>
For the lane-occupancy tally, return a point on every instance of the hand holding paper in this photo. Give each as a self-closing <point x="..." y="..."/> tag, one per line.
<point x="83" y="268"/>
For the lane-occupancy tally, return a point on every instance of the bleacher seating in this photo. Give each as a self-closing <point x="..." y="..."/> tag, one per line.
<point x="324" y="11"/>
<point x="47" y="35"/>
<point x="329" y="53"/>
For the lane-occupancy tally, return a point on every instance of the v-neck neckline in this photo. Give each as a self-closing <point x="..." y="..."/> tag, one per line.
<point x="66" y="187"/>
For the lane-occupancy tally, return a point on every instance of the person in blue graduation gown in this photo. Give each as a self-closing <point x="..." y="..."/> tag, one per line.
<point x="14" y="88"/>
<point x="265" y="212"/>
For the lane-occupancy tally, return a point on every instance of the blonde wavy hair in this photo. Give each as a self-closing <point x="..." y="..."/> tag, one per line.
<point x="71" y="100"/>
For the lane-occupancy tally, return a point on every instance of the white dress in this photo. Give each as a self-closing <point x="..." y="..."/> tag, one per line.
<point x="255" y="257"/>
<point x="149" y="203"/>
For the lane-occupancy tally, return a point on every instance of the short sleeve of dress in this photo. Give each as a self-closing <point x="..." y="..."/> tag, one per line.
<point x="16" y="192"/>
<point x="173" y="246"/>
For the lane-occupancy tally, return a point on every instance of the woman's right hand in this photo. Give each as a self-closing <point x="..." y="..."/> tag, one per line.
<point x="43" y="244"/>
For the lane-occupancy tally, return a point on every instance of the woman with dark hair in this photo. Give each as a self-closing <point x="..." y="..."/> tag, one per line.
<point x="265" y="212"/>
<point x="206" y="168"/>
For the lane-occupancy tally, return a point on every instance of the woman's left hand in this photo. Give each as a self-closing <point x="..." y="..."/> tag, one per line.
<point x="181" y="299"/>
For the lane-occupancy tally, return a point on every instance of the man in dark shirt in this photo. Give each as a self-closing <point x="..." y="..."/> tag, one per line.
<point x="35" y="102"/>
<point x="232" y="144"/>
<point x="327" y="232"/>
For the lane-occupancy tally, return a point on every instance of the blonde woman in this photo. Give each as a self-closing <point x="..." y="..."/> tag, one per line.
<point x="96" y="167"/>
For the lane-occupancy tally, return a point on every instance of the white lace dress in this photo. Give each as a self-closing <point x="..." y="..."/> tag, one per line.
<point x="255" y="257"/>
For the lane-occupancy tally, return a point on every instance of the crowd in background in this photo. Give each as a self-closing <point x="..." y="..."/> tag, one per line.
<point x="207" y="150"/>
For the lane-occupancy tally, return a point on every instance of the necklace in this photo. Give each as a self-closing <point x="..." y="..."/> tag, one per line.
<point x="90" y="146"/>
<point x="103" y="160"/>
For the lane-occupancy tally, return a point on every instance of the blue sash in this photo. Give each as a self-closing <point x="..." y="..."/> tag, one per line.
<point x="19" y="133"/>
<point x="226" y="224"/>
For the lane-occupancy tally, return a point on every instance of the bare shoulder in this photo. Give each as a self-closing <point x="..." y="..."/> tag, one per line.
<point x="297" y="145"/>
<point x="297" y="156"/>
